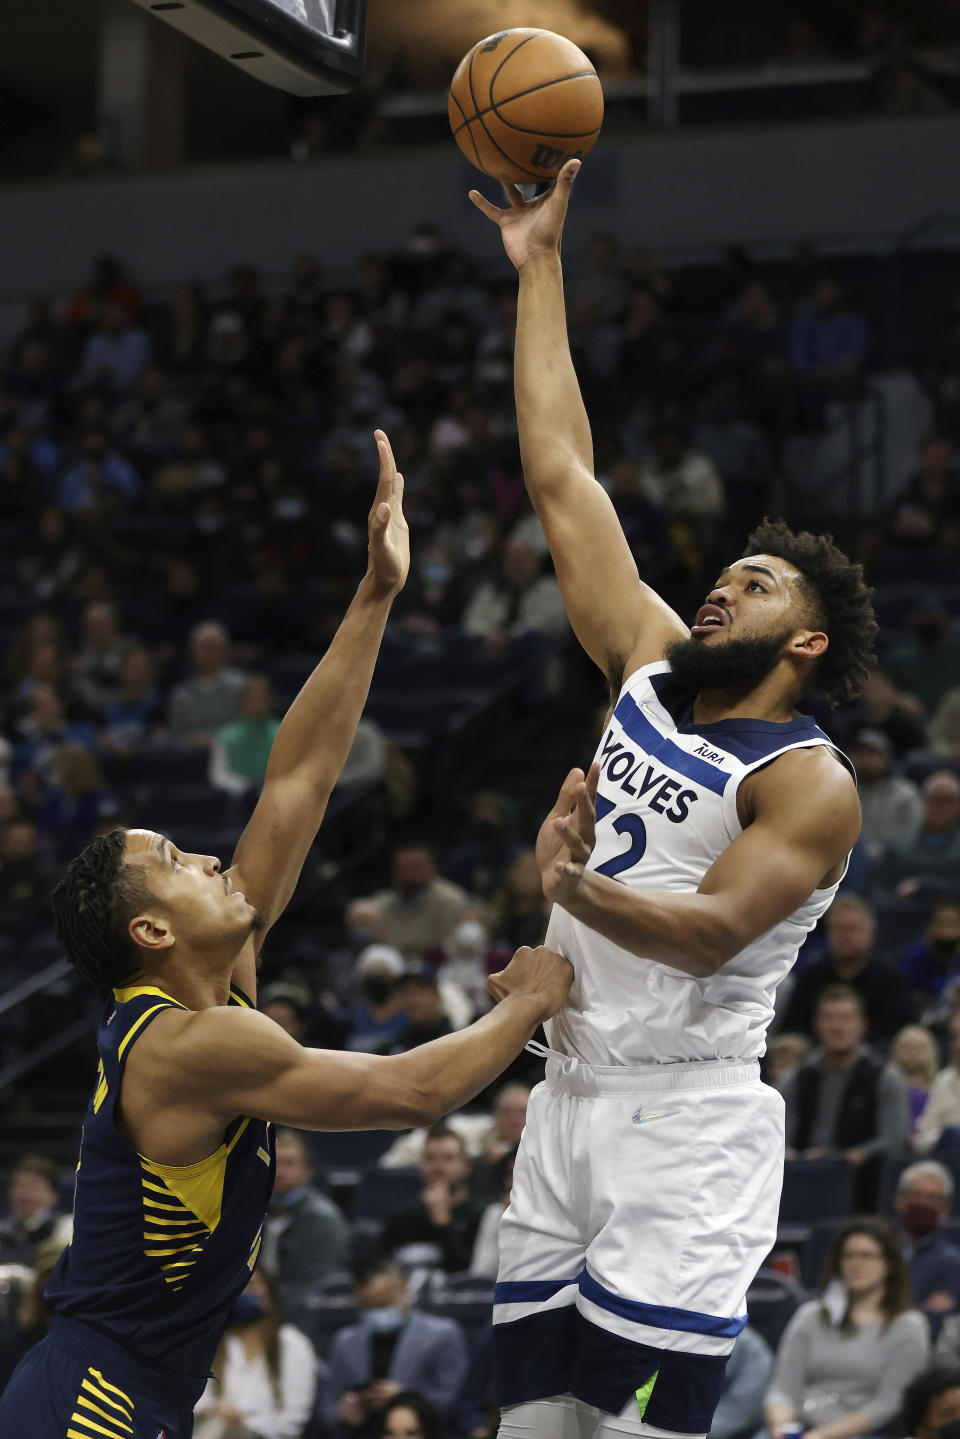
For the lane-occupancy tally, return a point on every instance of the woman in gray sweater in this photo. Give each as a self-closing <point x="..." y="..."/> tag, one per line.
<point x="845" y="1358"/>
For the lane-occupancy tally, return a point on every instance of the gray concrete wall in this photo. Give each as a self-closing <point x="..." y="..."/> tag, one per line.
<point x="686" y="193"/>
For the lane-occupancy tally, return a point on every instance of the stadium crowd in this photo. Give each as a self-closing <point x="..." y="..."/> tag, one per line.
<point x="184" y="484"/>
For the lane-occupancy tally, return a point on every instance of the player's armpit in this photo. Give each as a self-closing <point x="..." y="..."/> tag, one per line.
<point x="806" y="820"/>
<point x="233" y="1061"/>
<point x="620" y="621"/>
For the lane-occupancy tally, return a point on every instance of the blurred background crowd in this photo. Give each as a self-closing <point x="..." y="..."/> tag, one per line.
<point x="185" y="475"/>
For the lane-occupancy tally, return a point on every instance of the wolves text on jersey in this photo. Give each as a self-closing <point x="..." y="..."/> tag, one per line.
<point x="637" y="776"/>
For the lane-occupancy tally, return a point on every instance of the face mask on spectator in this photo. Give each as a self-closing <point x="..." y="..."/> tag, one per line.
<point x="386" y="1320"/>
<point x="248" y="1309"/>
<point x="919" y="1219"/>
<point x="436" y="574"/>
<point x="289" y="510"/>
<point x="376" y="989"/>
<point x="288" y="1200"/>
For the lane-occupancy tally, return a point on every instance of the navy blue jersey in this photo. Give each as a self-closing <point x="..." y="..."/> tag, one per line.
<point x="160" y="1252"/>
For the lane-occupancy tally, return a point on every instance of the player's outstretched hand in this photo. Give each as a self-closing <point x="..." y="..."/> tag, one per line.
<point x="531" y="227"/>
<point x="388" y="547"/>
<point x="566" y="839"/>
<point x="539" y="971"/>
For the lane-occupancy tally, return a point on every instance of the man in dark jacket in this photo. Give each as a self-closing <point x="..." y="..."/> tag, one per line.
<point x="844" y="1100"/>
<point x="306" y="1236"/>
<point x="438" y="1232"/>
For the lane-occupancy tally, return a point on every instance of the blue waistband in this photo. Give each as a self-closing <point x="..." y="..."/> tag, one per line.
<point x="90" y="1346"/>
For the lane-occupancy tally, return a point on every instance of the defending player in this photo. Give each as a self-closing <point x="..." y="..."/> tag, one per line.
<point x="176" y="1160"/>
<point x="647" y="1186"/>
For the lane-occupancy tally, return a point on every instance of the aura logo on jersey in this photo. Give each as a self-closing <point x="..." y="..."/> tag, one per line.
<point x="640" y="778"/>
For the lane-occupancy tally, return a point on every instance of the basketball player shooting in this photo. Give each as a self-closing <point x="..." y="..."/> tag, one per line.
<point x="706" y="840"/>
<point x="176" y="1160"/>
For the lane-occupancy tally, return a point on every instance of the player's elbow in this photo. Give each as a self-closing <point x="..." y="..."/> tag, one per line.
<point x="714" y="942"/>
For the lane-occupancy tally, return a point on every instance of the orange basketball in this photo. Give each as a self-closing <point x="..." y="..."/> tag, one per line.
<point x="522" y="103"/>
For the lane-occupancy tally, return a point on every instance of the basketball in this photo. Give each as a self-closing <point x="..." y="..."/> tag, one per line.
<point x="522" y="103"/>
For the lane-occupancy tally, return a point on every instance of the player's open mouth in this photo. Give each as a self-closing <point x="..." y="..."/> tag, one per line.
<point x="709" y="617"/>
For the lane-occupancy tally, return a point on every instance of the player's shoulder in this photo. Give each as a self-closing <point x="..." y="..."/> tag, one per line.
<point x="805" y="782"/>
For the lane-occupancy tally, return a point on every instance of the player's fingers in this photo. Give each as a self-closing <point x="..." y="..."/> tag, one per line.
<point x="566" y="799"/>
<point x="578" y="847"/>
<point x="388" y="466"/>
<point x="514" y="198"/>
<point x="568" y="174"/>
<point x="485" y="207"/>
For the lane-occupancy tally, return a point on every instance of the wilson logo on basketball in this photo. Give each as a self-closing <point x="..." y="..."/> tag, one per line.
<point x="546" y="158"/>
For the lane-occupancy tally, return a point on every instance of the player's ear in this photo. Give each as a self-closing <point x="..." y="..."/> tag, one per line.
<point x="150" y="931"/>
<point x="809" y="644"/>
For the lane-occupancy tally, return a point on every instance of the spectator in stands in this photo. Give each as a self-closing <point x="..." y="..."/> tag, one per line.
<point x="851" y="929"/>
<point x="241" y="749"/>
<point x="844" y="1100"/>
<point x="443" y="1223"/>
<point x="785" y="1054"/>
<point x="200" y="706"/>
<point x="419" y="999"/>
<point x="931" y="965"/>
<point x="265" y="1372"/>
<point x="883" y="706"/>
<point x="306" y="1236"/>
<point x="926" y="857"/>
<point x="31" y="1319"/>
<point x="927" y="510"/>
<point x="34" y="1215"/>
<point x="745" y="1382"/>
<point x="115" y="354"/>
<point x="76" y="800"/>
<point x="486" y="1137"/>
<point x="915" y="1054"/>
<point x="486" y="1255"/>
<point x="50" y="562"/>
<point x="928" y="664"/>
<point x="845" y="1358"/>
<point x="889" y="801"/>
<point x="100" y="481"/>
<point x="420" y="910"/>
<point x="931" y="1400"/>
<point x="409" y="1416"/>
<point x="923" y="1201"/>
<point x="682" y="480"/>
<point x="521" y="599"/>
<point x="377" y="1020"/>
<point x="25" y="879"/>
<point x="518" y="909"/>
<point x="943" y="1107"/>
<point x="828" y="341"/>
<point x="945" y="726"/>
<point x="130" y="720"/>
<point x="468" y="958"/>
<point x="45" y="728"/>
<point x="393" y="1348"/>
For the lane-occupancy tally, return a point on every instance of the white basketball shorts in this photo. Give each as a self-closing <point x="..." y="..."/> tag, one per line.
<point x="644" y="1201"/>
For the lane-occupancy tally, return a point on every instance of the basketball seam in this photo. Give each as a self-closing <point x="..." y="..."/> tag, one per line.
<point x="532" y="173"/>
<point x="520" y="94"/>
<point x="467" y="123"/>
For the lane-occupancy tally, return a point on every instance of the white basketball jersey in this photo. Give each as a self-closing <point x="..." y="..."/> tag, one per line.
<point x="666" y="810"/>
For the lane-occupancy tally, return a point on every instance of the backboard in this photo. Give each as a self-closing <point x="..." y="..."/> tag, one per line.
<point x="307" y="47"/>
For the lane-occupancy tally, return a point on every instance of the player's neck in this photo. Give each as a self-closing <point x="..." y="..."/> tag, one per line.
<point x="764" y="702"/>
<point x="184" y="979"/>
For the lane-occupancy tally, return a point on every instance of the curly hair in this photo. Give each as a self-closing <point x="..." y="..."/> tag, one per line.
<point x="928" y="1385"/>
<point x="92" y="906"/>
<point x="839" y="603"/>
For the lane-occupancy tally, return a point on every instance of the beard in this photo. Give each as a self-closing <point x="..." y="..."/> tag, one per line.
<point x="734" y="665"/>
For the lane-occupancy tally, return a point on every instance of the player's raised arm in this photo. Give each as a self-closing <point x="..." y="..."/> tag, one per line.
<point x="806" y="819"/>
<point x="312" y="743"/>
<point x="231" y="1061"/>
<point x="620" y="621"/>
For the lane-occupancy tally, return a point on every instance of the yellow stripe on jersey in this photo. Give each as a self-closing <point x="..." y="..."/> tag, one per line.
<point x="136" y="1025"/>
<point x="111" y="1418"/>
<point x="111" y="1387"/>
<point x="91" y="1424"/>
<point x="104" y="1398"/>
<point x="134" y="991"/>
<point x="235" y="994"/>
<point x="101" y="1090"/>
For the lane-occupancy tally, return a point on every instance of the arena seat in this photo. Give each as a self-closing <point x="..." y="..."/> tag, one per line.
<point x="815" y="1189"/>
<point x="326" y="1307"/>
<point x="467" y="1298"/>
<point x="772" y="1300"/>
<point x="381" y="1193"/>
